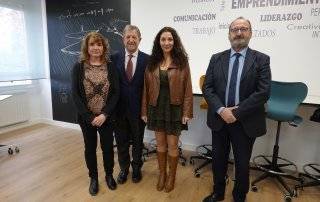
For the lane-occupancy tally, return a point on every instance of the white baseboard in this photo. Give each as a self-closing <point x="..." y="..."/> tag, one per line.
<point x="36" y="121"/>
<point x="9" y="128"/>
<point x="147" y="137"/>
<point x="61" y="124"/>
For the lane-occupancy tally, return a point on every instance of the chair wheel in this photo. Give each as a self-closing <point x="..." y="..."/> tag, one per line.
<point x="183" y="163"/>
<point x="254" y="188"/>
<point x="16" y="149"/>
<point x="196" y="174"/>
<point x="10" y="151"/>
<point x="301" y="181"/>
<point x="287" y="198"/>
<point x="295" y="193"/>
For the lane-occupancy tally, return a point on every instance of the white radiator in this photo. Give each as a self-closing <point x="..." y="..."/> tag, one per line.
<point x="14" y="109"/>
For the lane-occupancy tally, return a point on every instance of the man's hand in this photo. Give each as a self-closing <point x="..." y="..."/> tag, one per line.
<point x="185" y="120"/>
<point x="144" y="118"/>
<point x="99" y="120"/>
<point x="227" y="115"/>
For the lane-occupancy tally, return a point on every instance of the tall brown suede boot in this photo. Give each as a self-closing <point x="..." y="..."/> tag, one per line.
<point x="173" y="162"/>
<point x="162" y="162"/>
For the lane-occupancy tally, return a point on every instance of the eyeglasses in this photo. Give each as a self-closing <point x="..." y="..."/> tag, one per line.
<point x="242" y="30"/>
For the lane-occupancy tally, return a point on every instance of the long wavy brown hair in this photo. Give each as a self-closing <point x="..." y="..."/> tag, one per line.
<point x="178" y="53"/>
<point x="97" y="38"/>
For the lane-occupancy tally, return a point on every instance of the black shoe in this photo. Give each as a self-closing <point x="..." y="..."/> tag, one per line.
<point x="136" y="175"/>
<point x="122" y="177"/>
<point x="112" y="185"/>
<point x="213" y="198"/>
<point x="94" y="186"/>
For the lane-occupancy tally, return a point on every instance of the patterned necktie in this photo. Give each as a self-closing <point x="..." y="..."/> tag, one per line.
<point x="233" y="82"/>
<point x="129" y="68"/>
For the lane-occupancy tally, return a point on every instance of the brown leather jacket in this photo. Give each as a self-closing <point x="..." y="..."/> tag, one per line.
<point x="180" y="89"/>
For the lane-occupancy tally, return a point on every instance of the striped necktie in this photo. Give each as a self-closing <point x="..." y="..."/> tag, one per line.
<point x="129" y="68"/>
<point x="233" y="81"/>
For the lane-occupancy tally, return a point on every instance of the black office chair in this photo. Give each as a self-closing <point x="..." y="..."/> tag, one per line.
<point x="11" y="148"/>
<point x="311" y="170"/>
<point x="204" y="152"/>
<point x="284" y="100"/>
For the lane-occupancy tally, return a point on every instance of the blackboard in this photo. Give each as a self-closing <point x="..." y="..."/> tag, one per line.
<point x="67" y="23"/>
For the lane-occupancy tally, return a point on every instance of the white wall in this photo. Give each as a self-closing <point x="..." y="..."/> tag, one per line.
<point x="40" y="98"/>
<point x="291" y="51"/>
<point x="38" y="94"/>
<point x="292" y="43"/>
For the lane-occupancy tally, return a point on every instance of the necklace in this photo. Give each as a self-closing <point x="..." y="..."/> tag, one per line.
<point x="95" y="65"/>
<point x="164" y="65"/>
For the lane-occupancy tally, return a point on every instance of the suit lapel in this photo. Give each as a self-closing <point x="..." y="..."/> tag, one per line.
<point x="247" y="63"/>
<point x="122" y="66"/>
<point x="225" y="64"/>
<point x="139" y="60"/>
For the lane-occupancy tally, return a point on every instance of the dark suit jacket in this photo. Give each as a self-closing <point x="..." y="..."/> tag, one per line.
<point x="130" y="92"/>
<point x="253" y="93"/>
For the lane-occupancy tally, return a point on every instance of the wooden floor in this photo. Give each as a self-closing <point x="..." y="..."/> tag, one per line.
<point x="51" y="167"/>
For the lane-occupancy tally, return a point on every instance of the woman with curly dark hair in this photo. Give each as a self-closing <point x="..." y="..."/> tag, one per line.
<point x="167" y="103"/>
<point x="95" y="92"/>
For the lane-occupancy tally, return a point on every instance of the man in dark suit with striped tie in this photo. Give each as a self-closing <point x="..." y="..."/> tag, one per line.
<point x="131" y="64"/>
<point x="236" y="87"/>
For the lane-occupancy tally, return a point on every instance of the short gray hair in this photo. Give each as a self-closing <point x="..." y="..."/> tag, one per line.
<point x="240" y="18"/>
<point x="128" y="28"/>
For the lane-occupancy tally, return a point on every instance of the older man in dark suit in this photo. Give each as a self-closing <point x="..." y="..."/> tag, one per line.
<point x="236" y="87"/>
<point x="131" y="64"/>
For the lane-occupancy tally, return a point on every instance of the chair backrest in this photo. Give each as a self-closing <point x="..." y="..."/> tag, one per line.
<point x="203" y="103"/>
<point x="285" y="97"/>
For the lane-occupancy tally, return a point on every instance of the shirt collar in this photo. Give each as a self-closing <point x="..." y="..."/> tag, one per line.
<point x="135" y="54"/>
<point x="242" y="52"/>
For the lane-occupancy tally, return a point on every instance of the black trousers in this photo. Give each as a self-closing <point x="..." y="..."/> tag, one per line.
<point x="129" y="131"/>
<point x="242" y="148"/>
<point x="90" y="143"/>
